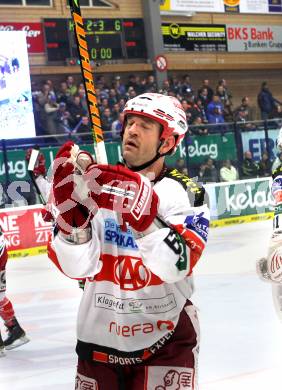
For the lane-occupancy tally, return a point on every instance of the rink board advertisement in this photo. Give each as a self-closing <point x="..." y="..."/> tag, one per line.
<point x="25" y="231"/>
<point x="240" y="201"/>
<point x="254" y="141"/>
<point x="230" y="203"/>
<point x="230" y="6"/>
<point x="199" y="149"/>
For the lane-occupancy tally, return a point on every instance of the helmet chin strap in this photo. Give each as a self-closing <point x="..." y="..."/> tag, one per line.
<point x="148" y="163"/>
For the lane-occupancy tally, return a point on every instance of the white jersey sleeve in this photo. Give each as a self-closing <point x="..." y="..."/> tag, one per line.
<point x="172" y="251"/>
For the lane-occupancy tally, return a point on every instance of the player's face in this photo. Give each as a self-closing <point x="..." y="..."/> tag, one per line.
<point x="140" y="140"/>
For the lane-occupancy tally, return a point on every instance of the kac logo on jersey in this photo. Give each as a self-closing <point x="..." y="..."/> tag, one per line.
<point x="131" y="274"/>
<point x="114" y="235"/>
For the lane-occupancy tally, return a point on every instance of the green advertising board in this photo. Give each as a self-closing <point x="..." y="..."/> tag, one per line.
<point x="199" y="148"/>
<point x="247" y="197"/>
<point x="18" y="167"/>
<point x="213" y="145"/>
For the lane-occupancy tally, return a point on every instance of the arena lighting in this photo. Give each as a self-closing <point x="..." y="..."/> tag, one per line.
<point x="178" y="13"/>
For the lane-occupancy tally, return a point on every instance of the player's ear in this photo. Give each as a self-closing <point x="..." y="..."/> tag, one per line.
<point x="168" y="144"/>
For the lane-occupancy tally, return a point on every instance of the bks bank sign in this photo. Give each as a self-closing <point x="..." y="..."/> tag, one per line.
<point x="243" y="38"/>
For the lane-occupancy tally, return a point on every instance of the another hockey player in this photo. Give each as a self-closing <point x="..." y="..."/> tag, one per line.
<point x="270" y="267"/>
<point x="135" y="232"/>
<point x="15" y="334"/>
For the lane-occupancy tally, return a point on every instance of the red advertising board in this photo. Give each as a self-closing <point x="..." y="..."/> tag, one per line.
<point x="25" y="231"/>
<point x="34" y="34"/>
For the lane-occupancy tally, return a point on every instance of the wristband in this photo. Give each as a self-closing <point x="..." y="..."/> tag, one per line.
<point x="77" y="236"/>
<point x="156" y="225"/>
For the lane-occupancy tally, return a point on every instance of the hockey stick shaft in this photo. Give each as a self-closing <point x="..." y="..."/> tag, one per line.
<point x="99" y="145"/>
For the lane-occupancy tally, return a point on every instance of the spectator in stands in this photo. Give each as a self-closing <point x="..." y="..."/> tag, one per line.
<point x="192" y="110"/>
<point x="84" y="127"/>
<point x="228" y="94"/>
<point x="215" y="115"/>
<point x="42" y="98"/>
<point x="203" y="97"/>
<point x="166" y="87"/>
<point x="51" y="107"/>
<point x="82" y="94"/>
<point x="250" y="168"/>
<point x="131" y="93"/>
<point x="35" y="92"/>
<point x="63" y="94"/>
<point x="135" y="82"/>
<point x="277" y="111"/>
<point x="245" y="106"/>
<point x="208" y="172"/>
<point x="113" y="98"/>
<point x="228" y="172"/>
<point x="151" y="85"/>
<point x="63" y="119"/>
<point x="117" y="127"/>
<point x="198" y="127"/>
<point x="106" y="122"/>
<point x="240" y="118"/>
<point x="76" y="110"/>
<point x="266" y="102"/>
<point x="71" y="86"/>
<point x="265" y="165"/>
<point x="226" y="102"/>
<point x="119" y="87"/>
<point x="206" y="84"/>
<point x="115" y="110"/>
<point x="186" y="87"/>
<point x="202" y="111"/>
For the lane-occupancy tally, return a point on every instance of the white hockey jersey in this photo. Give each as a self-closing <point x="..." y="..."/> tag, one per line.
<point x="136" y="289"/>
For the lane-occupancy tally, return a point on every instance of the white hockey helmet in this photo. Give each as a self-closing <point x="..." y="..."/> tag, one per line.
<point x="166" y="110"/>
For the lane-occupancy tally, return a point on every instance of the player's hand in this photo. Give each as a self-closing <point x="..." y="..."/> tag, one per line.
<point x="117" y="188"/>
<point x="69" y="212"/>
<point x="270" y="268"/>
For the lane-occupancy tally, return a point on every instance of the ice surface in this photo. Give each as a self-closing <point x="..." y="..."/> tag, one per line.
<point x="241" y="336"/>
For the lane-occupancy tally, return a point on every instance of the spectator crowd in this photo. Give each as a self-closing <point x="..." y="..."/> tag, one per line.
<point x="62" y="109"/>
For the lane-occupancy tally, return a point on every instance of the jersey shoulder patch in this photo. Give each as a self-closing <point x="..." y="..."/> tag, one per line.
<point x="196" y="193"/>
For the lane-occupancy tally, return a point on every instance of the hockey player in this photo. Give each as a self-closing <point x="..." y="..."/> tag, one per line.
<point x="15" y="334"/>
<point x="135" y="237"/>
<point x="270" y="268"/>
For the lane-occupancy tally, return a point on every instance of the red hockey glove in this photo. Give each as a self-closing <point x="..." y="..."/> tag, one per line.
<point x="117" y="188"/>
<point x="70" y="213"/>
<point x="40" y="168"/>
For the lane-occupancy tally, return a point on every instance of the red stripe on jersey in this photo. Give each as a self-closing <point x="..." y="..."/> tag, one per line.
<point x="3" y="258"/>
<point x="194" y="242"/>
<point x="278" y="197"/>
<point x="100" y="357"/>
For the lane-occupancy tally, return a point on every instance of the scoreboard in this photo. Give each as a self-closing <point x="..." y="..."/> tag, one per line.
<point x="107" y="39"/>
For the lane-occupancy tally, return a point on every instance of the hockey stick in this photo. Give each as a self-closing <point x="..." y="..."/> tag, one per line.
<point x="31" y="164"/>
<point x="99" y="145"/>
